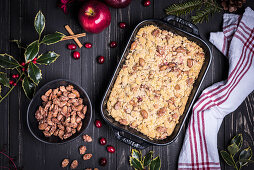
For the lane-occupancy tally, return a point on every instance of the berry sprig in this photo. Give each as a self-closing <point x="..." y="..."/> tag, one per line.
<point x="28" y="71"/>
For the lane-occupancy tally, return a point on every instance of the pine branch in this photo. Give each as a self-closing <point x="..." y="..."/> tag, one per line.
<point x="184" y="8"/>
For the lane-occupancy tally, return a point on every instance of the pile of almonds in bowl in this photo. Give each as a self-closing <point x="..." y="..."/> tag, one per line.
<point x="61" y="113"/>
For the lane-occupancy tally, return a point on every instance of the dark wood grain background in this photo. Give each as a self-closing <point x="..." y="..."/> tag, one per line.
<point x="16" y="22"/>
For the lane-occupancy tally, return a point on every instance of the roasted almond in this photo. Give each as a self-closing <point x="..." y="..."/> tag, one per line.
<point x="144" y="114"/>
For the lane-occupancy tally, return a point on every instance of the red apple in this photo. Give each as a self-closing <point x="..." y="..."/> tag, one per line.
<point x="118" y="3"/>
<point x="94" y="16"/>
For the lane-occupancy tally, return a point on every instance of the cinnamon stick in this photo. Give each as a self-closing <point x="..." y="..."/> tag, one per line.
<point x="73" y="36"/>
<point x="68" y="29"/>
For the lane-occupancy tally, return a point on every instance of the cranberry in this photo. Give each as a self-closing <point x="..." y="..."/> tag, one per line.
<point x="111" y="149"/>
<point x="98" y="123"/>
<point x="23" y="64"/>
<point x="88" y="45"/>
<point x="11" y="82"/>
<point x="14" y="84"/>
<point x="76" y="55"/>
<point x="122" y="25"/>
<point x="103" y="161"/>
<point x="140" y="99"/>
<point x="147" y="3"/>
<point x="103" y="141"/>
<point x="71" y="46"/>
<point x="113" y="44"/>
<point x="101" y="59"/>
<point x="23" y="69"/>
<point x="13" y="76"/>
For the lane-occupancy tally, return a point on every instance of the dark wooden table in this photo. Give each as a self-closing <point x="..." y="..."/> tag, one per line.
<point x="16" y="22"/>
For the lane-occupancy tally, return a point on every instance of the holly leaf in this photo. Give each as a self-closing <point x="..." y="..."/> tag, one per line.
<point x="136" y="154"/>
<point x="233" y="149"/>
<point x="148" y="158"/>
<point x="32" y="51"/>
<point x="52" y="38"/>
<point x="39" y="22"/>
<point x="34" y="73"/>
<point x="28" y="87"/>
<point x="227" y="158"/>
<point x="155" y="164"/>
<point x="246" y="160"/>
<point x="47" y="58"/>
<point x="238" y="140"/>
<point x="8" y="62"/>
<point x="4" y="80"/>
<point x="245" y="154"/>
<point x="136" y="164"/>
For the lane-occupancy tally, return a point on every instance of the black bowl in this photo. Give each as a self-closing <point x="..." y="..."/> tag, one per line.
<point x="36" y="102"/>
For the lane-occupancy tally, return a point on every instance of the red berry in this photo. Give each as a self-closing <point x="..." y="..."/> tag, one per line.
<point x="11" y="82"/>
<point x="71" y="46"/>
<point x="13" y="76"/>
<point x="23" y="69"/>
<point x="122" y="25"/>
<point x="14" y="84"/>
<point x="101" y="59"/>
<point x="17" y="76"/>
<point x="111" y="149"/>
<point x="88" y="45"/>
<point x="103" y="141"/>
<point x="147" y="3"/>
<point x="98" y="123"/>
<point x="34" y="61"/>
<point x="103" y="161"/>
<point x="113" y="44"/>
<point x="76" y="55"/>
<point x="23" y="64"/>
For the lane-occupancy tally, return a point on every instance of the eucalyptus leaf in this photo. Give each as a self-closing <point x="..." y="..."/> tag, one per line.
<point x="136" y="154"/>
<point x="227" y="158"/>
<point x="135" y="163"/>
<point x="148" y="158"/>
<point x="34" y="73"/>
<point x="52" y="38"/>
<point x="32" y="51"/>
<point x="238" y="140"/>
<point x="155" y="164"/>
<point x="4" y="79"/>
<point x="233" y="149"/>
<point x="245" y="154"/>
<point x="8" y="62"/>
<point x="47" y="58"/>
<point x="39" y="22"/>
<point x="28" y="87"/>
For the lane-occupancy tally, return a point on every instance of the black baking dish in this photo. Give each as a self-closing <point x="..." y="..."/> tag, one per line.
<point x="175" y="25"/>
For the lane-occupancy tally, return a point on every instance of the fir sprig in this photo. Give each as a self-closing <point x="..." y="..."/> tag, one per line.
<point x="202" y="8"/>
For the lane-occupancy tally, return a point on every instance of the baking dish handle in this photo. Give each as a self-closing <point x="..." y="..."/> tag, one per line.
<point x="130" y="142"/>
<point x="188" y="24"/>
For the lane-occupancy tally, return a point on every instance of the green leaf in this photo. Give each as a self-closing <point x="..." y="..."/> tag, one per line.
<point x="47" y="58"/>
<point x="136" y="154"/>
<point x="32" y="51"/>
<point x="18" y="42"/>
<point x="52" y="38"/>
<point x="136" y="164"/>
<point x="8" y="62"/>
<point x="39" y="22"/>
<point x="34" y="73"/>
<point x="184" y="8"/>
<point x="4" y="80"/>
<point x="155" y="164"/>
<point x="227" y="158"/>
<point x="246" y="160"/>
<point x="245" y="154"/>
<point x="148" y="158"/>
<point x="28" y="87"/>
<point x="233" y="149"/>
<point x="238" y="140"/>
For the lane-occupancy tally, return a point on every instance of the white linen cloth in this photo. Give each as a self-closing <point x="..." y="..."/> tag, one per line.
<point x="236" y="42"/>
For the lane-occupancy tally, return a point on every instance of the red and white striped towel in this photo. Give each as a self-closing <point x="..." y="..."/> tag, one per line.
<point x="199" y="149"/>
